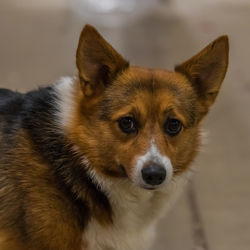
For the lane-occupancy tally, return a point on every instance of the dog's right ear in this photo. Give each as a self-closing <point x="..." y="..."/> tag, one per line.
<point x="97" y="62"/>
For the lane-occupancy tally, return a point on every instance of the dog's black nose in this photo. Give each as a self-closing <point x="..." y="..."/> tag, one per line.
<point x="153" y="174"/>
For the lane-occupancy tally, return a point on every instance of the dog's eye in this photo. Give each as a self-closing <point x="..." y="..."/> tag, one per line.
<point x="172" y="126"/>
<point x="127" y="124"/>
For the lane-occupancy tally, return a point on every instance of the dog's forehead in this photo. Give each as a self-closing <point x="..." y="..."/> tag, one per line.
<point x="149" y="88"/>
<point x="137" y="80"/>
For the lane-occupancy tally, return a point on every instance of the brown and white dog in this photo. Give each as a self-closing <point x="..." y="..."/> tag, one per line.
<point x="92" y="162"/>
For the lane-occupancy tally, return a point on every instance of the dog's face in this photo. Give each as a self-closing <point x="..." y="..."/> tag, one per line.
<point x="142" y="124"/>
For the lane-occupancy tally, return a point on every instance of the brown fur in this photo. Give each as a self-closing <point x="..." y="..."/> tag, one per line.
<point x="35" y="211"/>
<point x="34" y="206"/>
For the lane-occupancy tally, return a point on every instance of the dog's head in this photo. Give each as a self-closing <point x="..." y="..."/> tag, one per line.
<point x="138" y="123"/>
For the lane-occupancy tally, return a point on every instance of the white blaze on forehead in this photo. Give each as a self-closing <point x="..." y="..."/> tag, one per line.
<point x="153" y="155"/>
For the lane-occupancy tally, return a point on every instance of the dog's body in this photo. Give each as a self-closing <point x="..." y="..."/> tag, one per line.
<point x="79" y="159"/>
<point x="135" y="210"/>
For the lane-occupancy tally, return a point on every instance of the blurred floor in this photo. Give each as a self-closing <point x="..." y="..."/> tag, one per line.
<point x="37" y="46"/>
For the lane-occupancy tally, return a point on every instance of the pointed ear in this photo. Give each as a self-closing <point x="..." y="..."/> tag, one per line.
<point x="207" y="69"/>
<point x="97" y="62"/>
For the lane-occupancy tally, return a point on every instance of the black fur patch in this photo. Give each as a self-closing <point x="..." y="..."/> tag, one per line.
<point x="11" y="104"/>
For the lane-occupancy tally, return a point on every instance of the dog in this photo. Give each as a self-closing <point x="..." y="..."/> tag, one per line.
<point x="93" y="161"/>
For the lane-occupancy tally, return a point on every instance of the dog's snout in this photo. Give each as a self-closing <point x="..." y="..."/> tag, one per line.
<point x="153" y="174"/>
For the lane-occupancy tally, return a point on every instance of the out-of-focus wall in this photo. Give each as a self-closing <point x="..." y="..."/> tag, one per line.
<point x="31" y="4"/>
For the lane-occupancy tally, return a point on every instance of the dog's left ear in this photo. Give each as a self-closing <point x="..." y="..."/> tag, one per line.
<point x="207" y="69"/>
<point x="97" y="62"/>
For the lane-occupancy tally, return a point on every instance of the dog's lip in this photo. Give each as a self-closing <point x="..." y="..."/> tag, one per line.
<point x="150" y="188"/>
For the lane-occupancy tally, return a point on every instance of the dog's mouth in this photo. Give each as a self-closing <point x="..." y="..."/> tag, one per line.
<point x="150" y="188"/>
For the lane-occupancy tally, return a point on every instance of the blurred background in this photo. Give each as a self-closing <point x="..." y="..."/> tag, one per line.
<point x="38" y="40"/>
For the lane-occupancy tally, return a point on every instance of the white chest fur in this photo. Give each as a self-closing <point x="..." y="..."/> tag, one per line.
<point x="135" y="213"/>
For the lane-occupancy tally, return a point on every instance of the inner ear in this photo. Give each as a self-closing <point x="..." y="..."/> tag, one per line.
<point x="97" y="61"/>
<point x="207" y="69"/>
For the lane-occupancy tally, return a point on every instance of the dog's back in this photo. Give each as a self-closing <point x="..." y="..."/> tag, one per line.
<point x="10" y="103"/>
<point x="7" y="95"/>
